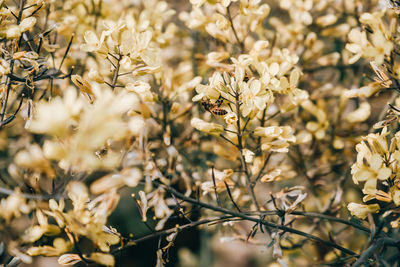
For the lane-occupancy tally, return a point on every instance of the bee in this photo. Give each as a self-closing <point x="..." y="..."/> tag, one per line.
<point x="382" y="78"/>
<point x="214" y="108"/>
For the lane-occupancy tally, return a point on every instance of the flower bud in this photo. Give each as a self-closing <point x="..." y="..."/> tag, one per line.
<point x="207" y="127"/>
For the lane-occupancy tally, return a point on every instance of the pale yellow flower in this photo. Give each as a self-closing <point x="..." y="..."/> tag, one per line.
<point x="69" y="259"/>
<point x="103" y="258"/>
<point x="254" y="97"/>
<point x="230" y="117"/>
<point x="221" y="177"/>
<point x="370" y="166"/>
<point x="13" y="206"/>
<point x="378" y="46"/>
<point x="284" y="172"/>
<point x="207" y="127"/>
<point x="361" y="114"/>
<point x="248" y="155"/>
<point x="59" y="247"/>
<point x="275" y="138"/>
<point x="34" y="159"/>
<point x="127" y="176"/>
<point x="94" y="44"/>
<point x="362" y="211"/>
<point x="35" y="232"/>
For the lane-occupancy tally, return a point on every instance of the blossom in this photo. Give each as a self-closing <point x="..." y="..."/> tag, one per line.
<point x="207" y="127"/>
<point x="34" y="159"/>
<point x="94" y="44"/>
<point x="364" y="91"/>
<point x="371" y="165"/>
<point x="254" y="97"/>
<point x="69" y="259"/>
<point x="35" y="232"/>
<point x="316" y="127"/>
<point x="248" y="155"/>
<point x="379" y="44"/>
<point x="142" y="89"/>
<point x="284" y="172"/>
<point x="13" y="206"/>
<point x="103" y="258"/>
<point x="57" y="116"/>
<point x="326" y="20"/>
<point x="360" y="114"/>
<point x="128" y="176"/>
<point x="361" y="211"/>
<point x="60" y="246"/>
<point x="214" y="58"/>
<point x="221" y="178"/>
<point x="230" y="117"/>
<point x="213" y="90"/>
<point x="275" y="138"/>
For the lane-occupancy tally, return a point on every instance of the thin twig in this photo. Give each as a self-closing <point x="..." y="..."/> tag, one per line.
<point x="215" y="187"/>
<point x="368" y="253"/>
<point x="230" y="196"/>
<point x="240" y="43"/>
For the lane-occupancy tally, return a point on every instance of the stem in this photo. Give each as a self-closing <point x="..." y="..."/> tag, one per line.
<point x="368" y="253"/>
<point x="134" y="241"/>
<point x="257" y="220"/>
<point x="263" y="168"/>
<point x="230" y="196"/>
<point x="240" y="147"/>
<point x="240" y="43"/>
<point x="215" y="187"/>
<point x="116" y="71"/>
<point x="8" y="82"/>
<point x="5" y="191"/>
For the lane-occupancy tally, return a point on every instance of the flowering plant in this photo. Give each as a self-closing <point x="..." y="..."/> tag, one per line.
<point x="270" y="124"/>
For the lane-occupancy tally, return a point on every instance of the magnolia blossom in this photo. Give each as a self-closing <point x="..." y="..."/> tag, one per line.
<point x="364" y="91"/>
<point x="35" y="232"/>
<point x="58" y="116"/>
<point x="142" y="89"/>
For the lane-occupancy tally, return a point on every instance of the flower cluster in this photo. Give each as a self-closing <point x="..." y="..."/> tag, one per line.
<point x="377" y="167"/>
